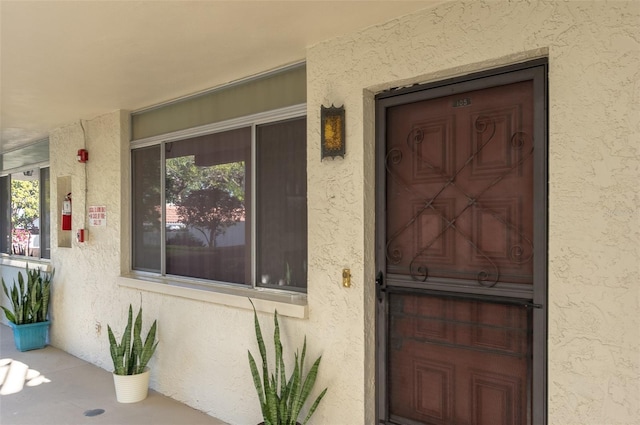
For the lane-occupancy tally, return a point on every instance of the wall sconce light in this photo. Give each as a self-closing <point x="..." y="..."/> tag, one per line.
<point x="332" y="131"/>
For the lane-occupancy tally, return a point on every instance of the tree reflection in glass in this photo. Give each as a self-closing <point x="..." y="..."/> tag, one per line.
<point x="206" y="220"/>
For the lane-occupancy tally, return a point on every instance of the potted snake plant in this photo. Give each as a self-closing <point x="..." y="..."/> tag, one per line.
<point x="282" y="398"/>
<point x="130" y="358"/>
<point x="30" y="308"/>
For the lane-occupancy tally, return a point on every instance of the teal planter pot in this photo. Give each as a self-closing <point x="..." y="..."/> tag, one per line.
<point x="31" y="336"/>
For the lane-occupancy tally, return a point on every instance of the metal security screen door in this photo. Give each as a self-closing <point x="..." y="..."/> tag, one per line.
<point x="461" y="251"/>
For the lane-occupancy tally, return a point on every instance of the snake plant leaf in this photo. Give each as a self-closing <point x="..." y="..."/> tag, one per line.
<point x="272" y="402"/>
<point x="283" y="405"/>
<point x="149" y="347"/>
<point x="20" y="300"/>
<point x="46" y="295"/>
<point x="19" y="308"/>
<point x="21" y="282"/>
<point x="116" y="353"/>
<point x="136" y="348"/>
<point x="10" y="316"/>
<point x="126" y="343"/>
<point x="294" y="405"/>
<point x="269" y="407"/>
<point x="131" y="356"/>
<point x="282" y="399"/>
<point x="257" y="380"/>
<point x="261" y="346"/>
<point x="280" y="369"/>
<point x="314" y="406"/>
<point x="32" y="287"/>
<point x="309" y="382"/>
<point x="16" y="299"/>
<point x="4" y="288"/>
<point x="298" y="398"/>
<point x="36" y="310"/>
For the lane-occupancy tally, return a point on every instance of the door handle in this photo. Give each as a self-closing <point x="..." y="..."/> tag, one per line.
<point x="381" y="288"/>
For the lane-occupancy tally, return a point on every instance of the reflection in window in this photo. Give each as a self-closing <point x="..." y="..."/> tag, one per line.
<point x="206" y="222"/>
<point x="24" y="228"/>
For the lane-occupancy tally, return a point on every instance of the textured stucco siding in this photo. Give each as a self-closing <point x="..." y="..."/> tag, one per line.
<point x="85" y="296"/>
<point x="594" y="226"/>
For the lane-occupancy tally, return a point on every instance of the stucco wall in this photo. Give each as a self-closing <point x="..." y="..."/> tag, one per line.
<point x="593" y="51"/>
<point x="594" y="225"/>
<point x="85" y="297"/>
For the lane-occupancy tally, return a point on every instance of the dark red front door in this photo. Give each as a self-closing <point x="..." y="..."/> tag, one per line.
<point x="456" y="253"/>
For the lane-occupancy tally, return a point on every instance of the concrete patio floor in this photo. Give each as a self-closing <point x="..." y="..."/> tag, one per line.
<point x="60" y="389"/>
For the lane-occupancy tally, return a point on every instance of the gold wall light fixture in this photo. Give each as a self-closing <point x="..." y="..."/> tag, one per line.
<point x="332" y="131"/>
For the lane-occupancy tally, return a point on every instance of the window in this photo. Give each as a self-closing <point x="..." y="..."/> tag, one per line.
<point x="24" y="213"/>
<point x="227" y="206"/>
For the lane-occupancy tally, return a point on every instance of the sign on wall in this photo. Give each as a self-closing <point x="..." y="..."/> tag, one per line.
<point x="98" y="216"/>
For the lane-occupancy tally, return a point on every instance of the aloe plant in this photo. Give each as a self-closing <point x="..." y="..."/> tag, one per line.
<point x="131" y="356"/>
<point x="282" y="399"/>
<point x="30" y="302"/>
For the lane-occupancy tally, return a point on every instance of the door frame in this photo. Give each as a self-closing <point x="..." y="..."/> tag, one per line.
<point x="537" y="296"/>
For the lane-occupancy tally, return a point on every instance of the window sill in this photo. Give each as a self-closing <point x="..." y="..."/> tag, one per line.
<point x="287" y="303"/>
<point x="23" y="262"/>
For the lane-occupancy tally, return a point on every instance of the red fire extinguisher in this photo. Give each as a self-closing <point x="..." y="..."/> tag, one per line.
<point x="66" y="212"/>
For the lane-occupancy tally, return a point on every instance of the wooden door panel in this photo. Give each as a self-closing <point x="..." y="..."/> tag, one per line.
<point x="459" y="187"/>
<point x="458" y="362"/>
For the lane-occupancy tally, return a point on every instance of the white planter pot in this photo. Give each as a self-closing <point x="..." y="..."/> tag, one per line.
<point x="132" y="388"/>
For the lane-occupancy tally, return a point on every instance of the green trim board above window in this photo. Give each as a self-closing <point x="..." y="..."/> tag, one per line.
<point x="274" y="90"/>
<point x="29" y="155"/>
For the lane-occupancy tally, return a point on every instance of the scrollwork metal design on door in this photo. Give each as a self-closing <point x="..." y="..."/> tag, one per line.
<point x="518" y="253"/>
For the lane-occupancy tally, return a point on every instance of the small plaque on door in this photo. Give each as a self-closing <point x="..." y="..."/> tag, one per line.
<point x="462" y="102"/>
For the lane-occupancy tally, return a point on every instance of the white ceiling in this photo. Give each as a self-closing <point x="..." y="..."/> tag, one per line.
<point x="62" y="61"/>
